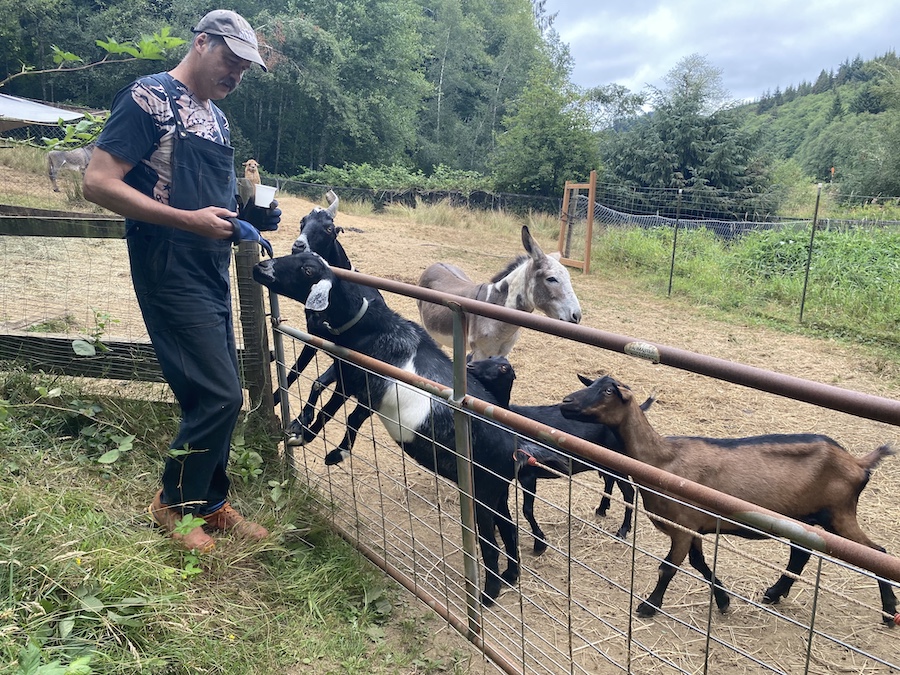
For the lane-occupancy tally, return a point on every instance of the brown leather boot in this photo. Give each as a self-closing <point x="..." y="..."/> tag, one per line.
<point x="167" y="518"/>
<point x="227" y="519"/>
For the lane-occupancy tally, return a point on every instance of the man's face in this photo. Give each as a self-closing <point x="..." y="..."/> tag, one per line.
<point x="222" y="69"/>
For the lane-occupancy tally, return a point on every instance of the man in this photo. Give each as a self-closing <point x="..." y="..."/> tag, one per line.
<point x="164" y="162"/>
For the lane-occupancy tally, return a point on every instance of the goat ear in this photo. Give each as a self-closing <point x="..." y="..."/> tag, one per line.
<point x="624" y="392"/>
<point x="317" y="300"/>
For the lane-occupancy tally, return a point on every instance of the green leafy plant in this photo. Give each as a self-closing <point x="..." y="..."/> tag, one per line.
<point x="278" y="493"/>
<point x="102" y="321"/>
<point x="31" y="663"/>
<point x="245" y="462"/>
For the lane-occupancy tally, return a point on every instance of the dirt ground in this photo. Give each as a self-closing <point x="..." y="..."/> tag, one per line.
<point x="398" y="248"/>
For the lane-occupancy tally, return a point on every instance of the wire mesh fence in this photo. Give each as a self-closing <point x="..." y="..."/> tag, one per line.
<point x="572" y="610"/>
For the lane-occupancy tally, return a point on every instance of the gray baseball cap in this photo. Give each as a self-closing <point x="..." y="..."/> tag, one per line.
<point x="237" y="33"/>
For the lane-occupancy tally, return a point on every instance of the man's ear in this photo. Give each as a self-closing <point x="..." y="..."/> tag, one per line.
<point x="318" y="297"/>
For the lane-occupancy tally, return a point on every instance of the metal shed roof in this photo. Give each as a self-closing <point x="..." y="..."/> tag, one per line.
<point x="19" y="112"/>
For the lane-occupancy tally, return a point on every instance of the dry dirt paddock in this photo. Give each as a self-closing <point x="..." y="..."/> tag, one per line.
<point x="395" y="247"/>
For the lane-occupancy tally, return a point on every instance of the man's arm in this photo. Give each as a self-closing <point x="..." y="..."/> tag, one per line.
<point x="104" y="184"/>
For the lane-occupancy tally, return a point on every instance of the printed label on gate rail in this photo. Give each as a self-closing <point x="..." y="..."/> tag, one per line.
<point x="643" y="350"/>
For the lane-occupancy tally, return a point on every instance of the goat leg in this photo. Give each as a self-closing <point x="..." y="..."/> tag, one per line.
<point x="354" y="420"/>
<point x="797" y="561"/>
<point x="698" y="562"/>
<point x="509" y="536"/>
<point x="626" y="487"/>
<point x="681" y="544"/>
<point x="306" y="355"/>
<point x="528" y="481"/>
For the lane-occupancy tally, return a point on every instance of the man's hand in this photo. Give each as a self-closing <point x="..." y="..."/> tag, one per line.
<point x="244" y="231"/>
<point x="266" y="220"/>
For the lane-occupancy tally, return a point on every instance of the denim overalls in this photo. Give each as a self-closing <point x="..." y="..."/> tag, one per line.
<point x="183" y="288"/>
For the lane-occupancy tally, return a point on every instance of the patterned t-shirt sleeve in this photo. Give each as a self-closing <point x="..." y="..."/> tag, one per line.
<point x="131" y="132"/>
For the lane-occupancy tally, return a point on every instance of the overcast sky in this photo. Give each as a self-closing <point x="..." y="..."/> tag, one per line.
<point x="758" y="45"/>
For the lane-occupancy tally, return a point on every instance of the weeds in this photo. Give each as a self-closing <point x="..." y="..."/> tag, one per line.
<point x="852" y="291"/>
<point x="89" y="586"/>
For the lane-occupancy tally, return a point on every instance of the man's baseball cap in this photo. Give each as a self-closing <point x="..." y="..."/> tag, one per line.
<point x="237" y="33"/>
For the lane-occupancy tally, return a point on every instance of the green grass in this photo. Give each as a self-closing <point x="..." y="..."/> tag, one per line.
<point x="85" y="576"/>
<point x="852" y="293"/>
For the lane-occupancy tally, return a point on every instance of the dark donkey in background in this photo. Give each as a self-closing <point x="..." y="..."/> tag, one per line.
<point x="423" y="426"/>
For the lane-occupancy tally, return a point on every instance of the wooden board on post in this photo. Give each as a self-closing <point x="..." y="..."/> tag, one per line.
<point x="569" y="217"/>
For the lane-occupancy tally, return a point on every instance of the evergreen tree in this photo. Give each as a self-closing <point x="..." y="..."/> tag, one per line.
<point x="547" y="138"/>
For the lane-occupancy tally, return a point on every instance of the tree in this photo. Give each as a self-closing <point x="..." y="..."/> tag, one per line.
<point x="610" y="105"/>
<point x="692" y="140"/>
<point x="547" y="138"/>
<point x="478" y="56"/>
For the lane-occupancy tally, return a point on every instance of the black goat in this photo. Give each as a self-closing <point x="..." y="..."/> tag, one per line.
<point x="422" y="426"/>
<point x="497" y="375"/>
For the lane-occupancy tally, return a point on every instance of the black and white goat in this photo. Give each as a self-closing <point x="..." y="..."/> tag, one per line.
<point x="419" y="423"/>
<point x="319" y="234"/>
<point x="807" y="477"/>
<point x="497" y="375"/>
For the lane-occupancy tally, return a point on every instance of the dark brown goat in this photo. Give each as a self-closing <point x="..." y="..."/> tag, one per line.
<point x="808" y="477"/>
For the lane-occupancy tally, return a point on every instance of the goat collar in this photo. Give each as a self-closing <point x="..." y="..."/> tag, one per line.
<point x="352" y="322"/>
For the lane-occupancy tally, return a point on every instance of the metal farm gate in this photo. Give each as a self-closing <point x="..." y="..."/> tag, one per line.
<point x="572" y="611"/>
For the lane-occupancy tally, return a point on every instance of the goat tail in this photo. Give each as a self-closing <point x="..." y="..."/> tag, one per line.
<point x="873" y="459"/>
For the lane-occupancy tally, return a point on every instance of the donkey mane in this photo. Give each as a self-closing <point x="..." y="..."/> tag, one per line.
<point x="509" y="268"/>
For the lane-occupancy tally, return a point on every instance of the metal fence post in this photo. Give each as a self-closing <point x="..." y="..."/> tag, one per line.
<point x="675" y="240"/>
<point x="466" y="480"/>
<point x="812" y="238"/>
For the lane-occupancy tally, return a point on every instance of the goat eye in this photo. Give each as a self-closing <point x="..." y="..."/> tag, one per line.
<point x="329" y="229"/>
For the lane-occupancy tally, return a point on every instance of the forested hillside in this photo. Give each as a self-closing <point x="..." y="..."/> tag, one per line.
<point x="848" y="119"/>
<point x="477" y="94"/>
<point x="407" y="82"/>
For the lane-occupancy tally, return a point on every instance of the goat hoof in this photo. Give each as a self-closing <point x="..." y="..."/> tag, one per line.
<point x="510" y="576"/>
<point x="294" y="441"/>
<point x="486" y="600"/>
<point x="646" y="610"/>
<point x="723" y="603"/>
<point x="600" y="512"/>
<point x="770" y="598"/>
<point x="539" y="546"/>
<point x="334" y="457"/>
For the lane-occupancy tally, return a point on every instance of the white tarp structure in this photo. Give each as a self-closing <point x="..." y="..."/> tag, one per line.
<point x="20" y="112"/>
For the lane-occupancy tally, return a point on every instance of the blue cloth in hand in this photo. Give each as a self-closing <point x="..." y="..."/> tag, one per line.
<point x="265" y="220"/>
<point x="244" y="231"/>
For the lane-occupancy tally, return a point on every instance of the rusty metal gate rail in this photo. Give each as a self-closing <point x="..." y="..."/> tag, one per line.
<point x="573" y="608"/>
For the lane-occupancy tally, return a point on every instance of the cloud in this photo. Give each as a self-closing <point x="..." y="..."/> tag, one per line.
<point x="759" y="46"/>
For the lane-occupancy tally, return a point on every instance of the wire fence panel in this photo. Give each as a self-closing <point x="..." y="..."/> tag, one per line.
<point x="573" y="608"/>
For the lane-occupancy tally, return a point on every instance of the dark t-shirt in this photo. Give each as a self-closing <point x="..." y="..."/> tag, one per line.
<point x="141" y="130"/>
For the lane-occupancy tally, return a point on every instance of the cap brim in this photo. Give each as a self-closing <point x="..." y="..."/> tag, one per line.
<point x="244" y="51"/>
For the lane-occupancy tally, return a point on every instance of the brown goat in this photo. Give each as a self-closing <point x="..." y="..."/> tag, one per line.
<point x="808" y="477"/>
<point x="251" y="171"/>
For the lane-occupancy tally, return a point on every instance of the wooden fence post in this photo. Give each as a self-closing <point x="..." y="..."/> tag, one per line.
<point x="255" y="367"/>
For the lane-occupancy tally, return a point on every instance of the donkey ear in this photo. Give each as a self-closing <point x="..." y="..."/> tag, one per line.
<point x="531" y="245"/>
<point x="317" y="300"/>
